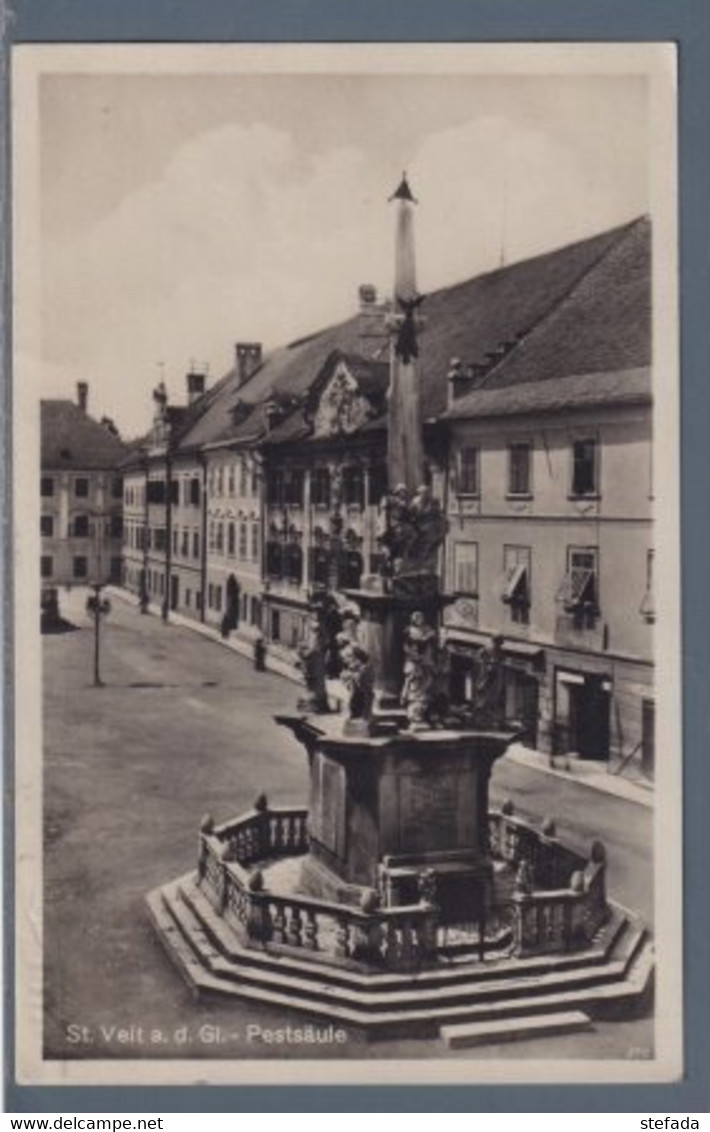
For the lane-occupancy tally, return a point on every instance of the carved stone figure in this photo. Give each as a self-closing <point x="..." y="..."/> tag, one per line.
<point x="420" y="672"/>
<point x="414" y="531"/>
<point x="358" y="677"/>
<point x="311" y="655"/>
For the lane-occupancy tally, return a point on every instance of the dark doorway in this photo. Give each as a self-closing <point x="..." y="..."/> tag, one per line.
<point x="232" y="610"/>
<point x="589" y="719"/>
<point x="174" y="591"/>
<point x="521" y="703"/>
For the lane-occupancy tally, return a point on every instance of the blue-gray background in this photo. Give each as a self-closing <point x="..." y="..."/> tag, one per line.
<point x="688" y="23"/>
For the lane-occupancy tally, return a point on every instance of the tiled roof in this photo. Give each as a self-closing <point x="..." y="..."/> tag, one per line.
<point x="72" y="439"/>
<point x="557" y="394"/>
<point x="581" y="308"/>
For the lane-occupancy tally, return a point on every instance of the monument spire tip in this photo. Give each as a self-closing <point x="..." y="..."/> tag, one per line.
<point x="403" y="191"/>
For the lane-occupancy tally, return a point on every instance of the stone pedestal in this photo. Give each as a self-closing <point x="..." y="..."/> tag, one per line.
<point x="384" y="810"/>
<point x="384" y="619"/>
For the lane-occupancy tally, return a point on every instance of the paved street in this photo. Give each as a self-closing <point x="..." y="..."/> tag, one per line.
<point x="184" y="727"/>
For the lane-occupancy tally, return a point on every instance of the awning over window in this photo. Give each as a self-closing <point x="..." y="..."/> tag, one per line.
<point x="577" y="588"/>
<point x="516" y="584"/>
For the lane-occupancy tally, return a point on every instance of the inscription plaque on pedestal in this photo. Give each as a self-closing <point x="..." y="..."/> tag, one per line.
<point x="328" y="814"/>
<point x="429" y="812"/>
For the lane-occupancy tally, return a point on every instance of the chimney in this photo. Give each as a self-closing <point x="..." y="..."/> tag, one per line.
<point x="195" y="386"/>
<point x="462" y="379"/>
<point x="372" y="327"/>
<point x="248" y="358"/>
<point x="82" y="395"/>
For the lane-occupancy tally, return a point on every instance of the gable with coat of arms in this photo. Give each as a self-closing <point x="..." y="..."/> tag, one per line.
<point x="343" y="406"/>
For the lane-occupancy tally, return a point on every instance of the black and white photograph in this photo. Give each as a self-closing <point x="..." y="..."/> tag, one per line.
<point x="348" y="738"/>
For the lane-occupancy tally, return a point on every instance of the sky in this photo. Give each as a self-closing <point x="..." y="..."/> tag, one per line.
<point x="181" y="213"/>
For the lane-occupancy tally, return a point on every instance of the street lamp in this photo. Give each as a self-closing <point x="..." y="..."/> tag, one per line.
<point x="99" y="607"/>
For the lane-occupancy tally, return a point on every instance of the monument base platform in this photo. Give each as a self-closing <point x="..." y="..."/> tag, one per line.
<point x="612" y="978"/>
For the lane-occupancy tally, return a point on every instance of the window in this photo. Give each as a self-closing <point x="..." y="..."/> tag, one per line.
<point x="466" y="568"/>
<point x="274" y="559"/>
<point x="80" y="528"/>
<point x="293" y="487"/>
<point x="274" y="486"/>
<point x="159" y="538"/>
<point x="243" y="478"/>
<point x="579" y="592"/>
<point x="275" y="625"/>
<point x="353" y="486"/>
<point x="350" y="570"/>
<point x="185" y="544"/>
<point x="188" y="595"/>
<point x="195" y="544"/>
<point x="81" y="487"/>
<point x="377" y="484"/>
<point x="243" y="540"/>
<point x="79" y="567"/>
<point x="218" y="598"/>
<point x="648" y="605"/>
<point x="320" y="565"/>
<point x="46" y="566"/>
<point x="46" y="526"/>
<point x="230" y="480"/>
<point x="219" y="538"/>
<point x="584" y="467"/>
<point x="519" y="469"/>
<point x="117" y="487"/>
<point x="320" y="487"/>
<point x="115" y="568"/>
<point x="255" y="542"/>
<point x="46" y="486"/>
<point x="468" y="472"/>
<point x="116" y="526"/>
<point x="219" y="481"/>
<point x="231" y="539"/>
<point x="156" y="491"/>
<point x="293" y="563"/>
<point x="195" y="491"/>
<point x="516" y="584"/>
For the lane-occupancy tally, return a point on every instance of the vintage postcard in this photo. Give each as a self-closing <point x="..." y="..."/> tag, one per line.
<point x="346" y="469"/>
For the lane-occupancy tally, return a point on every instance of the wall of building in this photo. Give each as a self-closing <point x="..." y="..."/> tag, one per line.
<point x="83" y="510"/>
<point x="542" y="527"/>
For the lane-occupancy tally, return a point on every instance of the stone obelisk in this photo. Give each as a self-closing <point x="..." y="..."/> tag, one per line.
<point x="405" y="460"/>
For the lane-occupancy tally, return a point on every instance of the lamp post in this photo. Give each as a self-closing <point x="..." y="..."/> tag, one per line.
<point x="96" y="605"/>
<point x="99" y="607"/>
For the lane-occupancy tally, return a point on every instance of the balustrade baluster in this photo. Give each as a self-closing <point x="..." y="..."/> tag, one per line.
<point x="295" y="928"/>
<point x="310" y="931"/>
<point x="279" y="935"/>
<point x="342" y="940"/>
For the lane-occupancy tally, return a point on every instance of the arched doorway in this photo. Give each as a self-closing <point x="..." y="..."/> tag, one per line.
<point x="232" y="611"/>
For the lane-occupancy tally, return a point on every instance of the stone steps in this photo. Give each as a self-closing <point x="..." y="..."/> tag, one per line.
<point x="515" y="1029"/>
<point x="511" y="982"/>
<point x="209" y="956"/>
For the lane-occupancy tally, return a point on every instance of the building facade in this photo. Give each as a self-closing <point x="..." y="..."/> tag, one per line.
<point x="535" y="386"/>
<point x="81" y="514"/>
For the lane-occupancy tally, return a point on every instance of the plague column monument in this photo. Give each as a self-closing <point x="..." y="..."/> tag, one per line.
<point x="397" y="901"/>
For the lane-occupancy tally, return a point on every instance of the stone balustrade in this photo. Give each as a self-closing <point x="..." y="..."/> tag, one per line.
<point x="558" y="901"/>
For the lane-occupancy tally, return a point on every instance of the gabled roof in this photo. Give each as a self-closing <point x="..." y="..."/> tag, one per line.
<point x="72" y="439"/>
<point x="581" y="308"/>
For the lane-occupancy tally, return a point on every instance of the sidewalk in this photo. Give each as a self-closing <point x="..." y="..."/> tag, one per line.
<point x="585" y="772"/>
<point x="235" y="642"/>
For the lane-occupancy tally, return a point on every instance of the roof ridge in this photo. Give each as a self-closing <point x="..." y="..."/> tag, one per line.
<point x="622" y="233"/>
